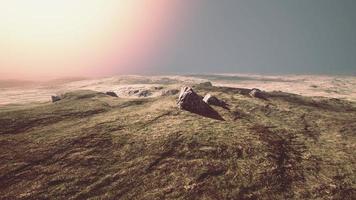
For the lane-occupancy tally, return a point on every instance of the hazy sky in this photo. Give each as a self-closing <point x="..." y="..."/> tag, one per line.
<point x="56" y="38"/>
<point x="266" y="36"/>
<point x="50" y="38"/>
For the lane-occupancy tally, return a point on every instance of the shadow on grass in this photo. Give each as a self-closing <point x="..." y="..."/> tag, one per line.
<point x="208" y="112"/>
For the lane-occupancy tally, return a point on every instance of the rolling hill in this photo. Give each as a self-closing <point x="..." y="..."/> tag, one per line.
<point x="93" y="146"/>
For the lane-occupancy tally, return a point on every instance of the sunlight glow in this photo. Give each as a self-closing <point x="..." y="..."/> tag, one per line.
<point x="44" y="38"/>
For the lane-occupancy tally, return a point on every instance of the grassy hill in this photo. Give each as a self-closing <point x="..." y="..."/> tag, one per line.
<point x="93" y="146"/>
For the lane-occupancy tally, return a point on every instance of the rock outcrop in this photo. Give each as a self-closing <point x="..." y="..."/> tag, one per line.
<point x="191" y="101"/>
<point x="110" y="93"/>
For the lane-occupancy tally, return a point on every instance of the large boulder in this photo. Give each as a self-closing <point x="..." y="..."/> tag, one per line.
<point x="191" y="101"/>
<point x="213" y="100"/>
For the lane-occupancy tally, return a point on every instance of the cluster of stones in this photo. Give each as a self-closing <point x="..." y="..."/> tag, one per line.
<point x="191" y="101"/>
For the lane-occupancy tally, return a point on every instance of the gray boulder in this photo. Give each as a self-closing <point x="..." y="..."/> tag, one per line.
<point x="189" y="100"/>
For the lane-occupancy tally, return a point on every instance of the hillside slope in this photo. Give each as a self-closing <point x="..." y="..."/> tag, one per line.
<point x="90" y="145"/>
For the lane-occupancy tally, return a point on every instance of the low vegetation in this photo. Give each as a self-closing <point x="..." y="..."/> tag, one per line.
<point x="93" y="146"/>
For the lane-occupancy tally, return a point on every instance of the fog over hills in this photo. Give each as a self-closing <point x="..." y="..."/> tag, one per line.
<point x="310" y="85"/>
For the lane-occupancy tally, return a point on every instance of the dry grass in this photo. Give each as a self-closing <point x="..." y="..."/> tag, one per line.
<point x="93" y="146"/>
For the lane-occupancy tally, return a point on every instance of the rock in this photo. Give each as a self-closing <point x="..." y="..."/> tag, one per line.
<point x="110" y="93"/>
<point x="191" y="101"/>
<point x="170" y="92"/>
<point x="140" y="93"/>
<point x="131" y="92"/>
<point x="257" y="93"/>
<point x="212" y="100"/>
<point x="158" y="87"/>
<point x="55" y="98"/>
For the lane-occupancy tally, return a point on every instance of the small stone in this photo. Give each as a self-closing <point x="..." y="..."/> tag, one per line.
<point x="212" y="100"/>
<point x="134" y="92"/>
<point x="158" y="87"/>
<point x="55" y="98"/>
<point x="257" y="93"/>
<point x="110" y="93"/>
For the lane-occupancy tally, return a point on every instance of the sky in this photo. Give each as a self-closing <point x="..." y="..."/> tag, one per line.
<point x="51" y="39"/>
